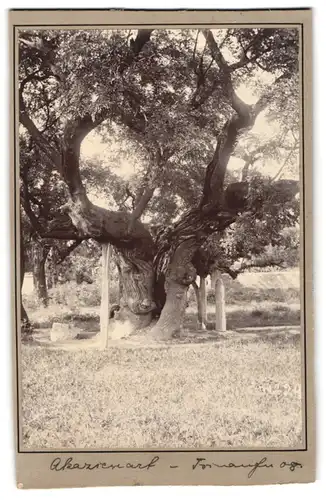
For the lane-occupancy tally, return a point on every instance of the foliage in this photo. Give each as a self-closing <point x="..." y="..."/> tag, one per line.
<point x="266" y="234"/>
<point x="82" y="265"/>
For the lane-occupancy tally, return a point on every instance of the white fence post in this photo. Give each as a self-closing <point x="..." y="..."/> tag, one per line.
<point x="220" y="304"/>
<point x="105" y="295"/>
<point x="214" y="276"/>
<point x="203" y="302"/>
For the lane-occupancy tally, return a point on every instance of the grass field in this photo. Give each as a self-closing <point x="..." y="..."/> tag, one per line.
<point x="234" y="392"/>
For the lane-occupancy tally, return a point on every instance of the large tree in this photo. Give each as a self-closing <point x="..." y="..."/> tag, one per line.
<point x="174" y="95"/>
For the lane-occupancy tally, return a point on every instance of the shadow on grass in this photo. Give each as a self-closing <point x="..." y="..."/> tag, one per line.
<point x="276" y="315"/>
<point x="84" y="322"/>
<point x="256" y="317"/>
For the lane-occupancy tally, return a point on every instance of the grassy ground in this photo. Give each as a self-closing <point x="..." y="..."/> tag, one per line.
<point x="231" y="393"/>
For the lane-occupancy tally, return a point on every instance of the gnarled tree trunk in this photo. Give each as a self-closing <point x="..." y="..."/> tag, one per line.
<point x="179" y="273"/>
<point x="175" y="260"/>
<point x="51" y="270"/>
<point x="136" y="277"/>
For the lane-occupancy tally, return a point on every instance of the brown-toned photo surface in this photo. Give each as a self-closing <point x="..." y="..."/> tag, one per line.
<point x="161" y="205"/>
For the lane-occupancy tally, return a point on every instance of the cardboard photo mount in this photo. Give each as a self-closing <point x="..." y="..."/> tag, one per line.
<point x="78" y="468"/>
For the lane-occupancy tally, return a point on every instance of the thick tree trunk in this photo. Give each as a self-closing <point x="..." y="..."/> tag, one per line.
<point x="172" y="315"/>
<point x="136" y="284"/>
<point x="132" y="242"/>
<point x="39" y="255"/>
<point x="218" y="208"/>
<point x="175" y="261"/>
<point x="179" y="274"/>
<point x="51" y="270"/>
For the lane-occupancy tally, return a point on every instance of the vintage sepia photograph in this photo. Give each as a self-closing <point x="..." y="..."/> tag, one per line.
<point x="160" y="238"/>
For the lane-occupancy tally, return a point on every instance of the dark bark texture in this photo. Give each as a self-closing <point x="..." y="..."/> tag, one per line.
<point x="40" y="252"/>
<point x="136" y="277"/>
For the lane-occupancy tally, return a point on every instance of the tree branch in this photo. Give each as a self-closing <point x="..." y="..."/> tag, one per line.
<point x="143" y="202"/>
<point x="215" y="50"/>
<point x="136" y="46"/>
<point x="244" y="60"/>
<point x="249" y="160"/>
<point x="229" y="271"/>
<point x="264" y="99"/>
<point x="160" y="158"/>
<point x="215" y="173"/>
<point x="27" y="122"/>
<point x="243" y="119"/>
<point x="77" y="130"/>
<point x="245" y="170"/>
<point x="67" y="251"/>
<point x="262" y="264"/>
<point x="235" y="273"/>
<point x="195" y="47"/>
<point x="28" y="209"/>
<point x="279" y="172"/>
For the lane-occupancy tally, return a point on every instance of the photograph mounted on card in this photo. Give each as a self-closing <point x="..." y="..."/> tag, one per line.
<point x="161" y="167"/>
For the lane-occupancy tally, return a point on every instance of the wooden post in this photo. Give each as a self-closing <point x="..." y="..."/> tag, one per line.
<point x="203" y="302"/>
<point x="105" y="295"/>
<point x="220" y="305"/>
<point x="199" y="308"/>
<point x="215" y="274"/>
